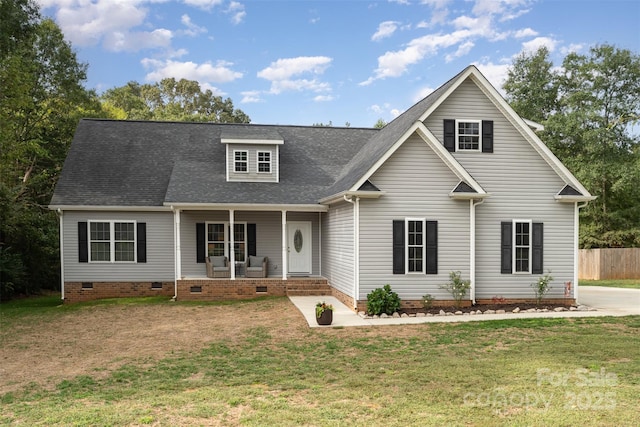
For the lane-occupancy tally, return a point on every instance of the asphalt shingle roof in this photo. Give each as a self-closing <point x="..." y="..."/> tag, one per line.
<point x="137" y="163"/>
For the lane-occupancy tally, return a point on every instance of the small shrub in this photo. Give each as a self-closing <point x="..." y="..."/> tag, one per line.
<point x="382" y="300"/>
<point x="457" y="287"/>
<point x="541" y="287"/>
<point x="427" y="301"/>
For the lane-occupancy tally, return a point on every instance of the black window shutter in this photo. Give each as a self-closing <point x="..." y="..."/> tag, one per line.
<point x="537" y="246"/>
<point x="398" y="246"/>
<point x="142" y="241"/>
<point x="200" y="242"/>
<point x="432" y="247"/>
<point x="251" y="239"/>
<point x="487" y="136"/>
<point x="83" y="243"/>
<point x="450" y="135"/>
<point x="505" y="253"/>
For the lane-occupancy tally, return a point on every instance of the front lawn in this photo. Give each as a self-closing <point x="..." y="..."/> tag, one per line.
<point x="618" y="283"/>
<point x="256" y="363"/>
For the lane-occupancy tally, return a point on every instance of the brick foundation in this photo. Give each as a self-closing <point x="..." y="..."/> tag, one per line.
<point x="88" y="291"/>
<point x="224" y="289"/>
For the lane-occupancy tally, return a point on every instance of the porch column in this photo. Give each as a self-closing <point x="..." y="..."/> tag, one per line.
<point x="285" y="250"/>
<point x="232" y="251"/>
<point x="178" y="262"/>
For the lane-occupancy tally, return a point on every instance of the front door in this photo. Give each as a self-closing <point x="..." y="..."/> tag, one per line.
<point x="299" y="247"/>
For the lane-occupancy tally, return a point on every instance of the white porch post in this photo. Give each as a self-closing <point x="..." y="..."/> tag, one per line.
<point x="177" y="265"/>
<point x="285" y="251"/>
<point x="232" y="244"/>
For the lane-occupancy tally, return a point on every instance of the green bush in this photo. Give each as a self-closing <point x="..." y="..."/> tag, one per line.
<point x="541" y="287"/>
<point x="382" y="300"/>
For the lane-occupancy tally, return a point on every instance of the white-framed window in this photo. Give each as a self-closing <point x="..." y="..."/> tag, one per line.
<point x="240" y="161"/>
<point x="219" y="241"/>
<point x="468" y="134"/>
<point x="522" y="246"/>
<point x="415" y="245"/>
<point x="112" y="241"/>
<point x="264" y="161"/>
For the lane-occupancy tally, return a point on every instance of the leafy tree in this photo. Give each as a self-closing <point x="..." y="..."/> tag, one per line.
<point x="530" y="85"/>
<point x="40" y="102"/>
<point x="171" y="100"/>
<point x="589" y="126"/>
<point x="380" y="124"/>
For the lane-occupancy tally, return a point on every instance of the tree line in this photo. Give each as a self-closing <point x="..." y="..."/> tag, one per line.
<point x="589" y="108"/>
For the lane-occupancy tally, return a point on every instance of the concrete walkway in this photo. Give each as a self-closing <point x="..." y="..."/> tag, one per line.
<point x="343" y="316"/>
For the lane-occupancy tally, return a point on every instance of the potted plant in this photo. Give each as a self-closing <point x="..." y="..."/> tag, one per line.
<point x="324" y="313"/>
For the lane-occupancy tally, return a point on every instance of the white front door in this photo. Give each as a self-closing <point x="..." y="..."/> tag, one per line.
<point x="299" y="247"/>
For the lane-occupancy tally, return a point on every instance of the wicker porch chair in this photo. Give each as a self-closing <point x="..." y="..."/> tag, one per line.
<point x="218" y="267"/>
<point x="257" y="266"/>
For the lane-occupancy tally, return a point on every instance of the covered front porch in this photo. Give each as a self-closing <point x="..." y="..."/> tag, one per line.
<point x="288" y="237"/>
<point x="205" y="289"/>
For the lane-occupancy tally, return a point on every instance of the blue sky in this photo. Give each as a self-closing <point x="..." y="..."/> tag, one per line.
<point x="306" y="62"/>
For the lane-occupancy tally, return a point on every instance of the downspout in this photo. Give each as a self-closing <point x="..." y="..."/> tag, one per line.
<point x="576" y="260"/>
<point x="472" y="248"/>
<point x="60" y="216"/>
<point x="177" y="255"/>
<point x="356" y="246"/>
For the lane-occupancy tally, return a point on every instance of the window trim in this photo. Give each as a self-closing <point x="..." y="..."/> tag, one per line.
<point x="227" y="238"/>
<point x="423" y="221"/>
<point x="457" y="140"/>
<point x="112" y="241"/>
<point x="264" y="162"/>
<point x="237" y="162"/>
<point x="515" y="247"/>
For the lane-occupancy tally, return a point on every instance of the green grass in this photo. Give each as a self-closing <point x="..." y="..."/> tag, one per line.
<point x="619" y="283"/>
<point x="581" y="371"/>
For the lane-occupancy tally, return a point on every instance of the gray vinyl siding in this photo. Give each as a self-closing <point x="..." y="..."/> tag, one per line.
<point x="522" y="186"/>
<point x="417" y="185"/>
<point x="160" y="259"/>
<point x="337" y="247"/>
<point x="268" y="237"/>
<point x="252" y="173"/>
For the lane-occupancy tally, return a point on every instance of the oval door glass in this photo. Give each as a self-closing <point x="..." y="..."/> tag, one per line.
<point x="297" y="240"/>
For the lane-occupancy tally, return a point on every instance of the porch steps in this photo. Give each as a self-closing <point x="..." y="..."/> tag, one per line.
<point x="308" y="287"/>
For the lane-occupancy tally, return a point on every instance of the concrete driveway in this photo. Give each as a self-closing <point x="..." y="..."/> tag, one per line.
<point x="610" y="299"/>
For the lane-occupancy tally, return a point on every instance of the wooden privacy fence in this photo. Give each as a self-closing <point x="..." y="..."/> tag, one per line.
<point x="609" y="263"/>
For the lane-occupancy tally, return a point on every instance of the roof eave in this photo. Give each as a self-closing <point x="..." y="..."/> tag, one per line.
<point x="248" y="207"/>
<point x="573" y="198"/>
<point x="361" y="194"/>
<point x="108" y="208"/>
<point x="468" y="196"/>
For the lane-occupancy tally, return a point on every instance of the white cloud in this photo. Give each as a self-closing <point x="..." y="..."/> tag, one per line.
<point x="385" y="29"/>
<point x="525" y="32"/>
<point x="220" y="72"/>
<point x="281" y="74"/>
<point x="237" y="12"/>
<point x="495" y="73"/>
<point x="572" y="48"/>
<point x="192" y="29"/>
<point x="283" y="69"/>
<point x="203" y="4"/>
<point x="118" y="41"/>
<point x="533" y="45"/>
<point x="250" y="97"/>
<point x="323" y="98"/>
<point x="463" y="49"/>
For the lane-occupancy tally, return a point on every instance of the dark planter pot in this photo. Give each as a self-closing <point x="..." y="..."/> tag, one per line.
<point x="325" y="318"/>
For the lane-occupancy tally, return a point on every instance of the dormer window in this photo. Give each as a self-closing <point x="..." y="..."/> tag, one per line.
<point x="264" y="161"/>
<point x="252" y="153"/>
<point x="240" y="163"/>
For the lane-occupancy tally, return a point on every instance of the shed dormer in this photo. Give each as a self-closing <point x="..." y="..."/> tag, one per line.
<point x="252" y="156"/>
